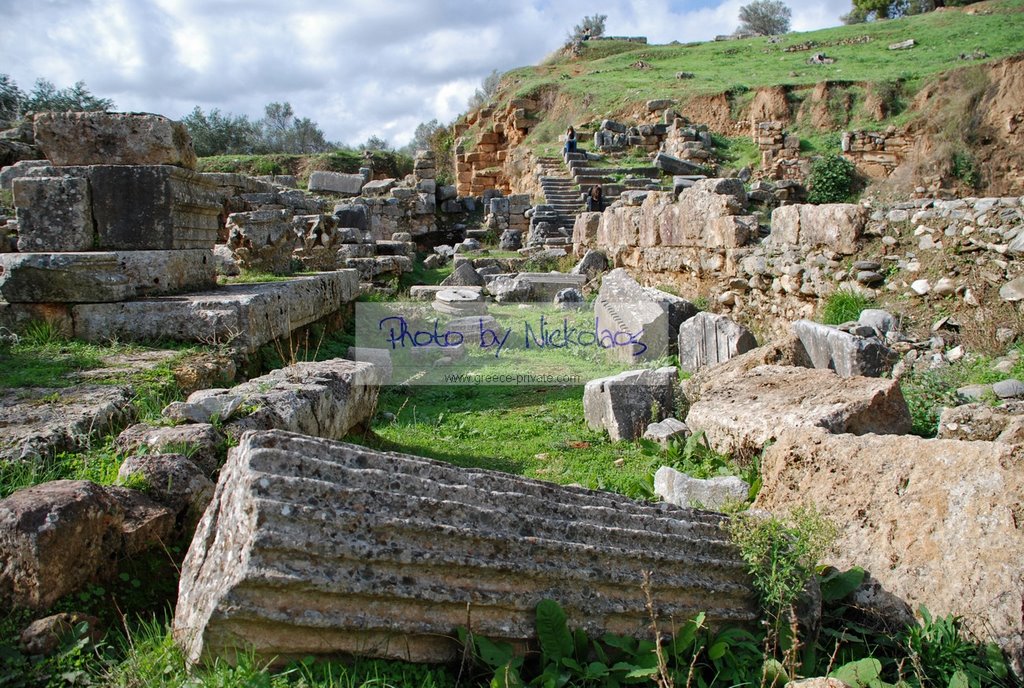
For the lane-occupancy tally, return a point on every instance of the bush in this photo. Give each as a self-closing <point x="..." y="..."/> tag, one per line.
<point x="843" y="306"/>
<point x="831" y="180"/>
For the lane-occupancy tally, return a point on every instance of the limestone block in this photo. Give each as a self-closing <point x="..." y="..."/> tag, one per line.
<point x="57" y="536"/>
<point x="262" y="240"/>
<point x="544" y="285"/>
<point x="625" y="404"/>
<point x="844" y="352"/>
<point x="323" y="548"/>
<point x="935" y="522"/>
<point x="380" y="358"/>
<point x="102" y="277"/>
<point x="980" y="421"/>
<point x="242" y="317"/>
<point x="672" y="165"/>
<point x="667" y="431"/>
<point x="336" y="182"/>
<point x="712" y="493"/>
<point x="33" y="426"/>
<point x="708" y="339"/>
<point x="201" y="441"/>
<point x="173" y="481"/>
<point x="623" y="306"/>
<point x="321" y="399"/>
<point x="22" y="168"/>
<point x="836" y="226"/>
<point x="113" y="138"/>
<point x="742" y="413"/>
<point x="592" y="264"/>
<point x="152" y="207"/>
<point x="54" y="214"/>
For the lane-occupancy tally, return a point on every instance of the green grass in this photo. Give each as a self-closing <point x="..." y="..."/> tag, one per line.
<point x="603" y="81"/>
<point x="349" y="161"/>
<point x="538" y="432"/>
<point x="843" y="306"/>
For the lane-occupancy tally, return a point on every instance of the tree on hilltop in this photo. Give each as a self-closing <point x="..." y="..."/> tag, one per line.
<point x="765" y="17"/>
<point x="591" y="27"/>
<point x="870" y="10"/>
<point x="486" y="90"/>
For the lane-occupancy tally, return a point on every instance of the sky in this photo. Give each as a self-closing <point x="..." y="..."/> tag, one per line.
<point x="356" y="67"/>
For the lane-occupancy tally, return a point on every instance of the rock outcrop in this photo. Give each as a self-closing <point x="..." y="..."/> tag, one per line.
<point x="113" y="138"/>
<point x="742" y="413"/>
<point x="935" y="522"/>
<point x="319" y="548"/>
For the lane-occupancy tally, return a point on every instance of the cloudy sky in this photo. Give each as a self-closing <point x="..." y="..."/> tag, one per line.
<point x="356" y="67"/>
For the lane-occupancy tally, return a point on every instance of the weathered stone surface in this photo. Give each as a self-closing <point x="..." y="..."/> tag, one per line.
<point x="59" y="535"/>
<point x="544" y="285"/>
<point x="883" y="321"/>
<point x="323" y="399"/>
<point x="336" y="182"/>
<point x="622" y="305"/>
<point x="591" y="264"/>
<point x="463" y="276"/>
<point x="54" y="214"/>
<point x="788" y="351"/>
<point x="427" y="292"/>
<point x="625" y="404"/>
<point x="103" y="276"/>
<point x="145" y="522"/>
<point x="20" y="169"/>
<point x="584" y="231"/>
<point x="262" y="240"/>
<point x="706" y="215"/>
<point x="836" y="226"/>
<point x="713" y="493"/>
<point x="843" y="352"/>
<point x="173" y="481"/>
<point x="204" y="406"/>
<point x="243" y="316"/>
<point x="149" y="207"/>
<point x="708" y="339"/>
<point x="113" y="138"/>
<point x="320" y="548"/>
<point x="40" y="422"/>
<point x="569" y="299"/>
<point x="200" y="441"/>
<point x="936" y="522"/>
<point x="981" y="421"/>
<point x="673" y="165"/>
<point x="666" y="431"/>
<point x="45" y="636"/>
<point x="740" y="415"/>
<point x="379" y="358"/>
<point x="1008" y="389"/>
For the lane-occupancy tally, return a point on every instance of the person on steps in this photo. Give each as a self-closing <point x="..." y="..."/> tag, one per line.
<point x="595" y="199"/>
<point x="570" y="140"/>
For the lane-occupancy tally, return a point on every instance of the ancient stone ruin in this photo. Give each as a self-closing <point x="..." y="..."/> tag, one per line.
<point x="318" y="548"/>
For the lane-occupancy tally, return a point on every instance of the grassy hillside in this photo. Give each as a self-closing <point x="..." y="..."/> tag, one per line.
<point x="612" y="76"/>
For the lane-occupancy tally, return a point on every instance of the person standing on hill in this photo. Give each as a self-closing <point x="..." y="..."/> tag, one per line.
<point x="595" y="199"/>
<point x="570" y="140"/>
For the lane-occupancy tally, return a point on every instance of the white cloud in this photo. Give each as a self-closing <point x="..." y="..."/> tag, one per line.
<point x="358" y="68"/>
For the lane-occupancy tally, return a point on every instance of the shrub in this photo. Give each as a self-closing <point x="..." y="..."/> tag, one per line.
<point x="964" y="170"/>
<point x="765" y="17"/>
<point x="844" y="305"/>
<point x="831" y="180"/>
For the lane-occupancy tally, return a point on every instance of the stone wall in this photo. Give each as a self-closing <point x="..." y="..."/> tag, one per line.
<point x="480" y="161"/>
<point x="877" y="154"/>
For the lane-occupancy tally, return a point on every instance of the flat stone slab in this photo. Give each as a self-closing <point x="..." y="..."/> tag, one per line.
<point x="427" y="292"/>
<point x="42" y="421"/>
<point x="544" y="285"/>
<point x="125" y="138"/>
<point x="242" y="316"/>
<point x="336" y="182"/>
<point x="102" y="277"/>
<point x="744" y="411"/>
<point x="846" y="353"/>
<point x="320" y="548"/>
<point x="624" y="306"/>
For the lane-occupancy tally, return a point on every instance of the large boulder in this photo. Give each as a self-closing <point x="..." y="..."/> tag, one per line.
<point x="743" y="413"/>
<point x="935" y="522"/>
<point x="788" y="351"/>
<point x="707" y="339"/>
<point x="57" y="536"/>
<point x="844" y="352"/>
<point x="835" y="226"/>
<point x="322" y="548"/>
<point x="625" y="404"/>
<point x="171" y="480"/>
<point x="113" y="138"/>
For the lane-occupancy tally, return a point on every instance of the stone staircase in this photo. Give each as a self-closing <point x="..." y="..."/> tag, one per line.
<point x="552" y="221"/>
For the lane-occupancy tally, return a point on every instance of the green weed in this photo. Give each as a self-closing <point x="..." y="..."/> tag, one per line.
<point x="844" y="305"/>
